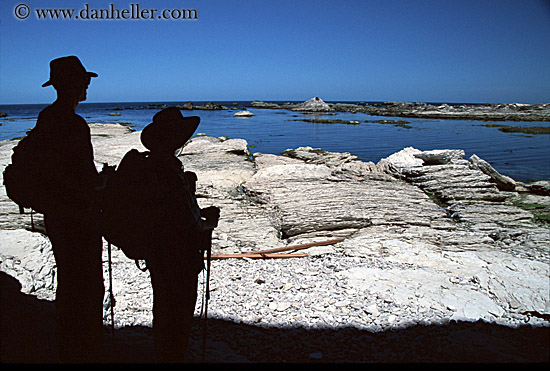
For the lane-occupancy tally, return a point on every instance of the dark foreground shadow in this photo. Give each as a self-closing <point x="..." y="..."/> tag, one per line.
<point x="27" y="325"/>
<point x="28" y="336"/>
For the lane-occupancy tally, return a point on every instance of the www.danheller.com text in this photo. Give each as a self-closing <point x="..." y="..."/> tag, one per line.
<point x="132" y="12"/>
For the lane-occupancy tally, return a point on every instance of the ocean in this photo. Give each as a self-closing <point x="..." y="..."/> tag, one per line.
<point x="524" y="157"/>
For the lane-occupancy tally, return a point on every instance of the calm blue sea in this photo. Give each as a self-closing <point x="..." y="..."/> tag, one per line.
<point x="520" y="156"/>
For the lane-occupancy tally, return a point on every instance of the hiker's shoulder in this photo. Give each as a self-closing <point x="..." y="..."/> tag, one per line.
<point x="56" y="111"/>
<point x="54" y="116"/>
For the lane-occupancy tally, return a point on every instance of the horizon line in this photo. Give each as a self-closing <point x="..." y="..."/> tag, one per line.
<point x="279" y="100"/>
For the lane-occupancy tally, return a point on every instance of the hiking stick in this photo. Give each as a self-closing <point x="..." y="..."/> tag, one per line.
<point x="257" y="255"/>
<point x="111" y="296"/>
<point x="299" y="247"/>
<point x="269" y="253"/>
<point x="207" y="291"/>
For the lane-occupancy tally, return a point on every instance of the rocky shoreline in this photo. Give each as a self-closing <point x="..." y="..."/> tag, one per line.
<point x="485" y="112"/>
<point x="478" y="112"/>
<point x="443" y="259"/>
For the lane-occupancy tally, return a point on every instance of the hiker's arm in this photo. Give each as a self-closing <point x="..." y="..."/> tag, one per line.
<point x="104" y="175"/>
<point x="77" y="154"/>
<point x="209" y="215"/>
<point x="182" y="200"/>
<point x="75" y="169"/>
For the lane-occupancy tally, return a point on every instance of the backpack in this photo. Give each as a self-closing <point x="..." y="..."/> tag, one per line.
<point x="127" y="203"/>
<point x="27" y="179"/>
<point x="129" y="212"/>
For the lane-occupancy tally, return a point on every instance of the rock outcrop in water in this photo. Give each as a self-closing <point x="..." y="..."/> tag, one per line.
<point x="315" y="104"/>
<point x="429" y="237"/>
<point x="485" y="112"/>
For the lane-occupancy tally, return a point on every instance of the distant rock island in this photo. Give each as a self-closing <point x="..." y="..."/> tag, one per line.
<point x="482" y="112"/>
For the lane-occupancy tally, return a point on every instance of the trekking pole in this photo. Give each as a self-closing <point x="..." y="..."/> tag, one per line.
<point x="111" y="296"/>
<point x="32" y="222"/>
<point x="207" y="292"/>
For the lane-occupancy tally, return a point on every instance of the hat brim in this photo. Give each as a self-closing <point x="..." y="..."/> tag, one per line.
<point x="88" y="74"/>
<point x="169" y="136"/>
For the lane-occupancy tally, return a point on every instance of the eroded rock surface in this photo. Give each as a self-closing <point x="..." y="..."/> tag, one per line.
<point x="429" y="237"/>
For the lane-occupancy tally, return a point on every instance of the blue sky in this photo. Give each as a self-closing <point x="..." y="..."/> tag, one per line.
<point x="418" y="50"/>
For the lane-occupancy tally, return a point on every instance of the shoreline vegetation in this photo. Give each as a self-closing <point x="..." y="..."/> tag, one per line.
<point x="400" y="123"/>
<point x="519" y="129"/>
<point x="531" y="130"/>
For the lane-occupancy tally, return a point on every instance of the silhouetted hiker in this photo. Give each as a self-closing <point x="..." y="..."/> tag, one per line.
<point x="176" y="257"/>
<point x="71" y="220"/>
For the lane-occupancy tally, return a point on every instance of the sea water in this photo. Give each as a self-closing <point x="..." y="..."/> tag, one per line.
<point x="524" y="157"/>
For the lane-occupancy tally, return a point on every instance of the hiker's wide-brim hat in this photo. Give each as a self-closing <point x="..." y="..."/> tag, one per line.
<point x="65" y="70"/>
<point x="169" y="130"/>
